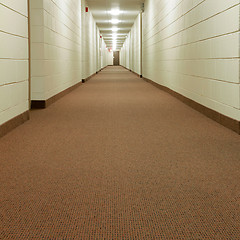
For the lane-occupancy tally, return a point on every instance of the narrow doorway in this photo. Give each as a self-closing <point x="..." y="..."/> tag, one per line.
<point x="116" y="58"/>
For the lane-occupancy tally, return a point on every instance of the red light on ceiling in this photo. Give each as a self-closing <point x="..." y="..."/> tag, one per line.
<point x="86" y="9"/>
<point x="100" y="36"/>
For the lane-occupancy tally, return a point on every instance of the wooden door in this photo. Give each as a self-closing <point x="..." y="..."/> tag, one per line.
<point x="116" y="58"/>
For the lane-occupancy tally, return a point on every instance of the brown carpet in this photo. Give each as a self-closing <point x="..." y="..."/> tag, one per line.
<point x="119" y="159"/>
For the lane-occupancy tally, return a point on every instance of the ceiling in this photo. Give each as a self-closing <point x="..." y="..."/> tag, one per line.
<point x="124" y="11"/>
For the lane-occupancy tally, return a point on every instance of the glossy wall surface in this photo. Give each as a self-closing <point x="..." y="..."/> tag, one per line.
<point x="131" y="50"/>
<point x="13" y="59"/>
<point x="192" y="47"/>
<point x="55" y="46"/>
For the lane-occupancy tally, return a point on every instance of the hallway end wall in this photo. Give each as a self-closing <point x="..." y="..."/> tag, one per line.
<point x="192" y="48"/>
<point x="14" y="87"/>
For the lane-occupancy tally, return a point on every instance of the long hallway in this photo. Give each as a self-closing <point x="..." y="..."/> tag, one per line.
<point x="118" y="158"/>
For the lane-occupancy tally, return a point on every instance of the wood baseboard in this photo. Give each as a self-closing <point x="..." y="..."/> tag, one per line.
<point x="13" y="123"/>
<point x="40" y="104"/>
<point x="216" y="116"/>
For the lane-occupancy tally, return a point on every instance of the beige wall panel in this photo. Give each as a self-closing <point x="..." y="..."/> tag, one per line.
<point x="55" y="46"/>
<point x="14" y="94"/>
<point x="192" y="47"/>
<point x="131" y="50"/>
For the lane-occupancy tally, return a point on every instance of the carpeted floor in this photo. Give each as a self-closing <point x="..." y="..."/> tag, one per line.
<point x="119" y="159"/>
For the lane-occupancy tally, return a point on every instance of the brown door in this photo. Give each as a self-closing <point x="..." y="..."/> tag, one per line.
<point x="116" y="58"/>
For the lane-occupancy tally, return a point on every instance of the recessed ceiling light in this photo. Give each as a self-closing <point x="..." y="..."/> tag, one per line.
<point x="114" y="21"/>
<point x="114" y="29"/>
<point x="115" y="12"/>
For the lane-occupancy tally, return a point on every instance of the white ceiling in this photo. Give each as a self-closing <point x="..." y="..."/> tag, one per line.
<point x="101" y="10"/>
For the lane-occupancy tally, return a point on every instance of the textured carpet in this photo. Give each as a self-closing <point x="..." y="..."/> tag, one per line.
<point x="119" y="159"/>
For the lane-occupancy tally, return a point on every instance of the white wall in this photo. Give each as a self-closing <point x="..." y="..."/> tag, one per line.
<point x="125" y="53"/>
<point x="122" y="57"/>
<point x="136" y="46"/>
<point x="102" y="52"/>
<point x="64" y="46"/>
<point x="13" y="59"/>
<point x="192" y="47"/>
<point x="98" y="50"/>
<point x="130" y="52"/>
<point x="107" y="57"/>
<point x="55" y="46"/>
<point x="89" y="43"/>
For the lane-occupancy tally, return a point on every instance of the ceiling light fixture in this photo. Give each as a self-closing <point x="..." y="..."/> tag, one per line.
<point x="114" y="29"/>
<point x="114" y="21"/>
<point x="115" y="12"/>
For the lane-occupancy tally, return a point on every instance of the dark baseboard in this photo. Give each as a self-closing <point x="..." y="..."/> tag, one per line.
<point x="125" y="68"/>
<point x="13" y="123"/>
<point x="216" y="116"/>
<point x="104" y="67"/>
<point x="136" y="73"/>
<point x="39" y="104"/>
<point x="86" y="79"/>
<point x="132" y="71"/>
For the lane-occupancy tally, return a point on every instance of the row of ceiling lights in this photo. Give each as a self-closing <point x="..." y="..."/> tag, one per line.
<point x="114" y="12"/>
